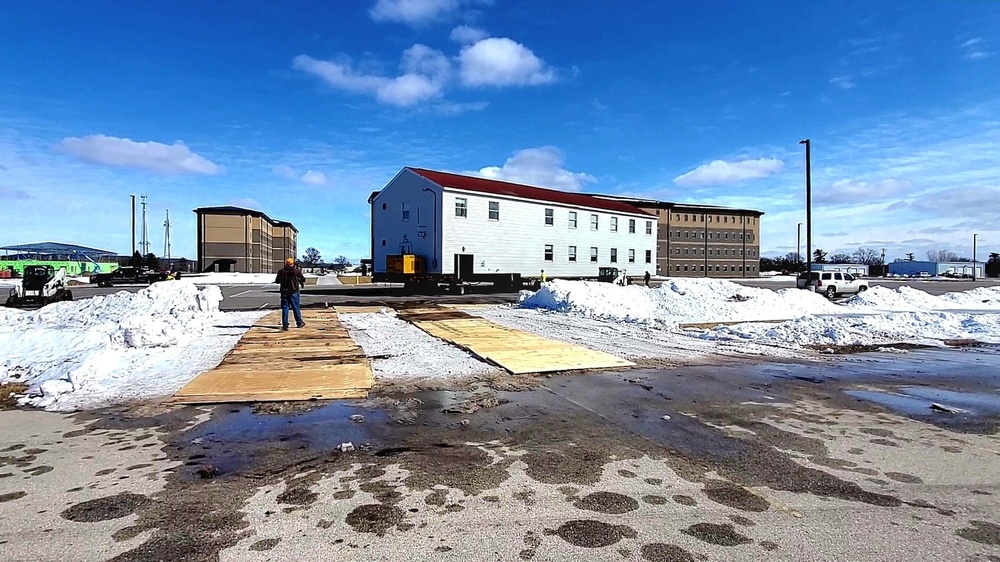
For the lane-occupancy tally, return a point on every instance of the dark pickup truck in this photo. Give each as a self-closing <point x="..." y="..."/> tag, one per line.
<point x="128" y="276"/>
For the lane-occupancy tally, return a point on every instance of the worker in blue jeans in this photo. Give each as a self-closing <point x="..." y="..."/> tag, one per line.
<point x="290" y="281"/>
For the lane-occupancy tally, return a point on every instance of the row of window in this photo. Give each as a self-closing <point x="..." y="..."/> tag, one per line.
<point x="718" y="252"/>
<point x="724" y="219"/>
<point x="462" y="210"/>
<point x="549" y="254"/>
<point x="717" y="235"/>
<point x="726" y="268"/>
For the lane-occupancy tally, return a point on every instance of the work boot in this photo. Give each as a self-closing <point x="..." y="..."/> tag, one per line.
<point x="300" y="325"/>
<point x="284" y="328"/>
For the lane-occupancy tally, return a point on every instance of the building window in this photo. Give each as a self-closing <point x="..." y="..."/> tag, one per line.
<point x="685" y="218"/>
<point x="593" y="254"/>
<point x="461" y="207"/>
<point x="649" y="227"/>
<point x="717" y="252"/>
<point x="383" y="242"/>
<point x="494" y="210"/>
<point x="614" y="224"/>
<point x="685" y="268"/>
<point x="572" y="219"/>
<point x="701" y="268"/>
<point x="678" y="217"/>
<point x="677" y="251"/>
<point x="725" y="268"/>
<point x="593" y="222"/>
<point x="686" y="234"/>
<point x="383" y="206"/>
<point x="726" y="236"/>
<point x="725" y="252"/>
<point x="677" y="268"/>
<point x="406" y="211"/>
<point x="631" y="226"/>
<point x="549" y="217"/>
<point x="685" y="251"/>
<point x="614" y="255"/>
<point x="631" y="256"/>
<point x="548" y="252"/>
<point x="703" y="218"/>
<point x="649" y="256"/>
<point x="572" y="253"/>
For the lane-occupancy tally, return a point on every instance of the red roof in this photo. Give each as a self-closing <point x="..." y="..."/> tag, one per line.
<point x="483" y="185"/>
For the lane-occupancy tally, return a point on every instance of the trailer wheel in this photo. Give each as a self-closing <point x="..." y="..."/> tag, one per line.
<point x="11" y="302"/>
<point x="68" y="296"/>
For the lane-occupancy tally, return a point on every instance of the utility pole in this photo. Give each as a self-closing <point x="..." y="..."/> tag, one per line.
<point x="974" y="237"/>
<point x="144" y="240"/>
<point x="133" y="224"/>
<point x="808" y="209"/>
<point x="166" y="238"/>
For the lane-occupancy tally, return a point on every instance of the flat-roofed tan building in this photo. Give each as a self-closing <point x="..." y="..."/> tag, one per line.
<point x="243" y="240"/>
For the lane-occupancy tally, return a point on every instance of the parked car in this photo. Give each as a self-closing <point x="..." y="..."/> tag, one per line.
<point x="831" y="283"/>
<point x="126" y="276"/>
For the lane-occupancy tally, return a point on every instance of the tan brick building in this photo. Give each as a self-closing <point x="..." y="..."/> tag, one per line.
<point x="703" y="240"/>
<point x="243" y="240"/>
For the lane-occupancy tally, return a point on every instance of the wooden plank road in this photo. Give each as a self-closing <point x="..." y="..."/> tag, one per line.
<point x="514" y="350"/>
<point x="317" y="362"/>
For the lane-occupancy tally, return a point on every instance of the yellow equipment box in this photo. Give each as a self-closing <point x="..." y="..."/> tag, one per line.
<point x="407" y="264"/>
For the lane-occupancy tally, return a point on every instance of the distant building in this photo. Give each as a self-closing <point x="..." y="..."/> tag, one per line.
<point x="241" y="240"/>
<point x="935" y="268"/>
<point x="78" y="260"/>
<point x="858" y="269"/>
<point x="702" y="240"/>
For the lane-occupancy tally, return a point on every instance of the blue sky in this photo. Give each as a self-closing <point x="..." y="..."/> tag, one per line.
<point x="302" y="109"/>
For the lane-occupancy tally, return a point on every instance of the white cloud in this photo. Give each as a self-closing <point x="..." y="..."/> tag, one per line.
<point x="499" y="61"/>
<point x="313" y="177"/>
<point x="979" y="55"/>
<point x="542" y="167"/>
<point x="850" y="192"/>
<point x="721" y="172"/>
<point x="973" y="41"/>
<point x="976" y="49"/>
<point x="425" y="73"/>
<point x="412" y="12"/>
<point x="15" y="194"/>
<point x="127" y="153"/>
<point x="283" y="171"/>
<point x="467" y="35"/>
<point x="845" y="82"/>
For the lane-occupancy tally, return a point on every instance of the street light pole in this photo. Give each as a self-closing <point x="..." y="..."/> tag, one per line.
<point x="808" y="209"/>
<point x="974" y="236"/>
<point x="798" y="243"/>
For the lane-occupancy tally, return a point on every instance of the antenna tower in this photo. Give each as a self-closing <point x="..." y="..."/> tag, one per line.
<point x="144" y="240"/>
<point x="166" y="237"/>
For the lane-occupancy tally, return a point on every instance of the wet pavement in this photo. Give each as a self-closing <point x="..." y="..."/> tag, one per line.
<point x="734" y="461"/>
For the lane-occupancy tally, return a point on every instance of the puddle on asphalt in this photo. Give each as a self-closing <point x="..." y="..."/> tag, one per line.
<point x="232" y="438"/>
<point x="917" y="400"/>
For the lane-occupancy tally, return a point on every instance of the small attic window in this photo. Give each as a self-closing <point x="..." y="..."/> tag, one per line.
<point x="383" y="206"/>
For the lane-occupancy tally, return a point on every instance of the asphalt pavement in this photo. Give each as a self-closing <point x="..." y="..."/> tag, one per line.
<point x="730" y="461"/>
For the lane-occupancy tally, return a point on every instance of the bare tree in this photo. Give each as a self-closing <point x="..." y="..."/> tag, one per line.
<point x="941" y="255"/>
<point x="819" y="256"/>
<point x="868" y="256"/>
<point x="840" y="258"/>
<point x="312" y="257"/>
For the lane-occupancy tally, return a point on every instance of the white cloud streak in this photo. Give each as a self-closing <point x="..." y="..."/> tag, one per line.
<point x="467" y="35"/>
<point x="499" y="61"/>
<point x="412" y="12"/>
<point x="543" y="167"/>
<point x="721" y="172"/>
<point x="313" y="177"/>
<point x="127" y="153"/>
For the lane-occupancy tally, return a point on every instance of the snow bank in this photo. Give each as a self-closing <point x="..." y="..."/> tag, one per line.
<point x="230" y="278"/>
<point x="930" y="328"/>
<point x="118" y="347"/>
<point x="676" y="301"/>
<point x="909" y="299"/>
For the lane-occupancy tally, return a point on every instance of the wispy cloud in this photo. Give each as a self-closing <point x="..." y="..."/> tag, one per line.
<point x="543" y="167"/>
<point x="313" y="177"/>
<point x="844" y="82"/>
<point x="721" y="172"/>
<point x="413" y="12"/>
<point x="976" y="49"/>
<point x="127" y="153"/>
<point x="309" y="177"/>
<point x="851" y="192"/>
<point x="16" y="194"/>
<point x="467" y="35"/>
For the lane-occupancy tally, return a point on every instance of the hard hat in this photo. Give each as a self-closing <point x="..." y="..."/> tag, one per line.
<point x="289" y="261"/>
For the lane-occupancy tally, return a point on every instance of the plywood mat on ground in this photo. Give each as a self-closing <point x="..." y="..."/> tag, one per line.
<point x="317" y="362"/>
<point x="514" y="350"/>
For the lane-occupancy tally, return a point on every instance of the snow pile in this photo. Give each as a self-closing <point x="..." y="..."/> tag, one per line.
<point x="909" y="299"/>
<point x="676" y="301"/>
<point x="116" y="347"/>
<point x="230" y="278"/>
<point x="930" y="328"/>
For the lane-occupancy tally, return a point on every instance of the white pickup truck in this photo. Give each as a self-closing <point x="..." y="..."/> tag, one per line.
<point x="831" y="283"/>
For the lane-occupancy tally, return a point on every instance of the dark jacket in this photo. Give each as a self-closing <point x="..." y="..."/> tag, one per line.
<point x="290" y="279"/>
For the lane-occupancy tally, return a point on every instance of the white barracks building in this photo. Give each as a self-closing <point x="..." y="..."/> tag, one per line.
<point x="500" y="227"/>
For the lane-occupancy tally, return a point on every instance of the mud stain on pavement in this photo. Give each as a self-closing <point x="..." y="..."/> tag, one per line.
<point x="532" y="541"/>
<point x="885" y="442"/>
<point x="904" y="478"/>
<point x="607" y="502"/>
<point x="734" y="496"/>
<point x="103" y="509"/>
<point x="769" y="545"/>
<point x="660" y="552"/>
<point x="722" y="535"/>
<point x="12" y="496"/>
<point x="685" y="500"/>
<point x="981" y="532"/>
<point x="740" y="520"/>
<point x="38" y="470"/>
<point x="654" y="500"/>
<point x="266" y="544"/>
<point x="877" y="432"/>
<point x="589" y="533"/>
<point x="375" y="518"/>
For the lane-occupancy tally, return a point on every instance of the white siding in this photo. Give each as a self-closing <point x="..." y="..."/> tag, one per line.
<point x="421" y="233"/>
<point x="516" y="242"/>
